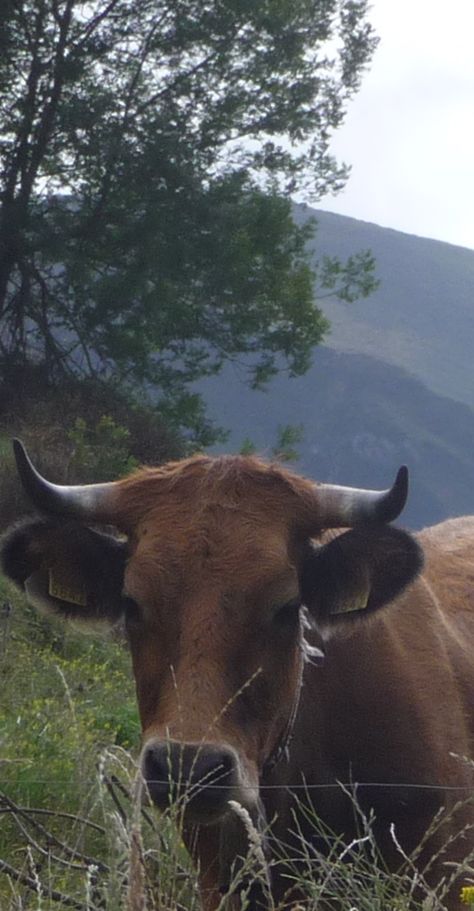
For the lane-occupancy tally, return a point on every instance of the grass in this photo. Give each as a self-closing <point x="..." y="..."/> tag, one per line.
<point x="354" y="876"/>
<point x="72" y="823"/>
<point x="63" y="696"/>
<point x="68" y="714"/>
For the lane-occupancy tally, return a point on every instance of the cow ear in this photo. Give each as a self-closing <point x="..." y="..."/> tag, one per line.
<point x="66" y="568"/>
<point x="357" y="573"/>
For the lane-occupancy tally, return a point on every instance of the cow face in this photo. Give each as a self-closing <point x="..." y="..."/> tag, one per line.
<point x="216" y="640"/>
<point x="219" y="559"/>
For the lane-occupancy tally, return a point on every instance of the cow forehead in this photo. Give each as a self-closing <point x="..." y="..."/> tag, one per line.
<point x="221" y="524"/>
<point x="216" y="549"/>
<point x="195" y="491"/>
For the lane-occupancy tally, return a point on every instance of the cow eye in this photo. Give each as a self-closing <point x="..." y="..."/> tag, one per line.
<point x="288" y="613"/>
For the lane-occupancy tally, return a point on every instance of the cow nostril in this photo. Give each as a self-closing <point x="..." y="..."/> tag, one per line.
<point x="156" y="765"/>
<point x="212" y="769"/>
<point x="202" y="774"/>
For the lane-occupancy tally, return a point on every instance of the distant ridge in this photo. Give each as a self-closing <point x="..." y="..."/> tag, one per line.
<point x="359" y="224"/>
<point x="421" y="317"/>
<point x="393" y="384"/>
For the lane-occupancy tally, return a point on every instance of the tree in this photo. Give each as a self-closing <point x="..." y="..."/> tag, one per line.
<point x="148" y="153"/>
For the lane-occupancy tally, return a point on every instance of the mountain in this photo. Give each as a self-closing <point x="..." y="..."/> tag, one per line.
<point x="420" y="318"/>
<point x="364" y="415"/>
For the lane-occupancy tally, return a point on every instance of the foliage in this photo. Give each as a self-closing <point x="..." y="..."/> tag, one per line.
<point x="288" y="437"/>
<point x="82" y="432"/>
<point x="102" y="450"/>
<point x="146" y="159"/>
<point x="77" y="696"/>
<point x="247" y="447"/>
<point x="283" y="449"/>
<point x="355" y="875"/>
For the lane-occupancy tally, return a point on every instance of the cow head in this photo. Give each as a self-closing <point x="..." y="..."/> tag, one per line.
<point x="218" y="561"/>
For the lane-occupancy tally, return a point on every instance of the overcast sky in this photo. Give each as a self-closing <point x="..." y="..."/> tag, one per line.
<point x="409" y="133"/>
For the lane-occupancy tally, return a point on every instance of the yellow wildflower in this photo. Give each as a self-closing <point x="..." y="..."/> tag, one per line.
<point x="467" y="895"/>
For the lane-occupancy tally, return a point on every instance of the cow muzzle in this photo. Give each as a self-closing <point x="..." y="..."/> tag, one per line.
<point x="199" y="779"/>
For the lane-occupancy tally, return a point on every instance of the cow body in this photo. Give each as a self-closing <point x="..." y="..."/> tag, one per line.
<point x="393" y="705"/>
<point x="229" y="581"/>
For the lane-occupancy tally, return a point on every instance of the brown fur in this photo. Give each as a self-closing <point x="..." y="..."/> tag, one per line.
<point x="394" y="703"/>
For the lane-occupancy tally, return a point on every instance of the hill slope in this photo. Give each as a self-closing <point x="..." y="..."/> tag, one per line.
<point x="362" y="418"/>
<point x="421" y="317"/>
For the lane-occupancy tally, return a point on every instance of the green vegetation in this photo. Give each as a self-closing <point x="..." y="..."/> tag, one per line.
<point x="102" y="450"/>
<point x="146" y="161"/>
<point x="83" y="432"/>
<point x="62" y="694"/>
<point x="288" y="437"/>
<point x="66" y="699"/>
<point x="284" y="447"/>
<point x="69" y="736"/>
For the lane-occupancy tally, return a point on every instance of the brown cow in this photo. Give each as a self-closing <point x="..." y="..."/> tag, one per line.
<point x="232" y="587"/>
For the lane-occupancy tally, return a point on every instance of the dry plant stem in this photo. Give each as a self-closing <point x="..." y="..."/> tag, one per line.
<point x="255" y="841"/>
<point x="114" y="782"/>
<point x="31" y="883"/>
<point x="136" y="893"/>
<point x="84" y="861"/>
<point x="5" y="621"/>
<point x="253" y="872"/>
<point x="41" y="811"/>
<point x="454" y="871"/>
<point x="111" y="785"/>
<point x="417" y="877"/>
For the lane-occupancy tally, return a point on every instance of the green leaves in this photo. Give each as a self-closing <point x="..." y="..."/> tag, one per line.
<point x="101" y="452"/>
<point x="146" y="157"/>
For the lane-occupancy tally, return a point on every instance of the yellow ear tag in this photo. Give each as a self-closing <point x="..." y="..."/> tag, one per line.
<point x="60" y="588"/>
<point x="356" y="603"/>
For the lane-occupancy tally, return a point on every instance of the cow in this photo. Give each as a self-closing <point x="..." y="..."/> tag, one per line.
<point x="285" y="638"/>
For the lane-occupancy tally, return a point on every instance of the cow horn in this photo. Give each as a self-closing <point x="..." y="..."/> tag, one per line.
<point x="91" y="502"/>
<point x="343" y="507"/>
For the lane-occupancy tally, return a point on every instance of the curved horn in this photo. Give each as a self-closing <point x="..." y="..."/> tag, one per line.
<point x="343" y="507"/>
<point x="91" y="502"/>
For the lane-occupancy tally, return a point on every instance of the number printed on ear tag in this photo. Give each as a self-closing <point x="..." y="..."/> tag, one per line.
<point x="60" y="587"/>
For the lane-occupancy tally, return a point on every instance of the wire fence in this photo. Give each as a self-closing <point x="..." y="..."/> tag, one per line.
<point x="297" y="786"/>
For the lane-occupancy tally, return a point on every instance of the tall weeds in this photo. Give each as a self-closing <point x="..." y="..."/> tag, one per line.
<point x="124" y="856"/>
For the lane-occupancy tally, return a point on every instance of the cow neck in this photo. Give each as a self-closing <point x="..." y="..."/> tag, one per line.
<point x="309" y="654"/>
<point x="282" y="746"/>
